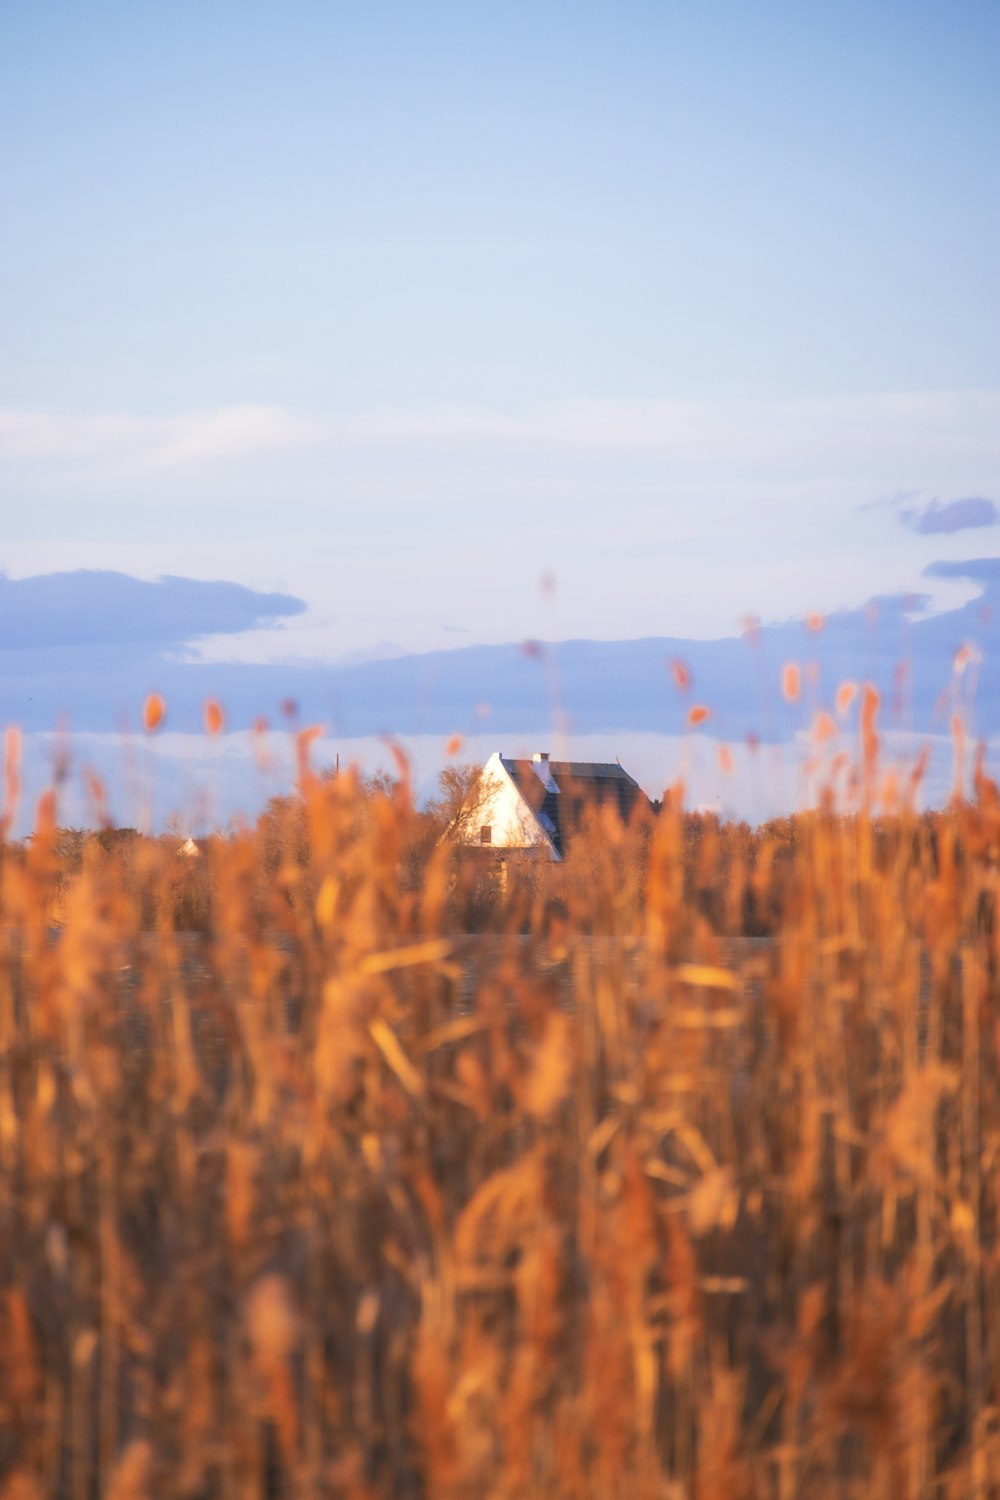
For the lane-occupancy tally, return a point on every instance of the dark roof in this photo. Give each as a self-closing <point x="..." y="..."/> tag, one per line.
<point x="582" y="784"/>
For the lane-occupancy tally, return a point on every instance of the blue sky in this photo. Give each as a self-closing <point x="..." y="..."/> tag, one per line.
<point x="398" y="310"/>
<point x="315" y="204"/>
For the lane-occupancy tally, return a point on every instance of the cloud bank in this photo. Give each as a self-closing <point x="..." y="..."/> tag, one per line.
<point x="957" y="515"/>
<point x="92" y="646"/>
<point x="92" y="608"/>
<point x="95" y="659"/>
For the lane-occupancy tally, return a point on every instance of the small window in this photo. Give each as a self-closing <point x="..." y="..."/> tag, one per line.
<point x="486" y="834"/>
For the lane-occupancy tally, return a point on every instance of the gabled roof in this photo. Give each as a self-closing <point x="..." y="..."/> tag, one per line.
<point x="558" y="791"/>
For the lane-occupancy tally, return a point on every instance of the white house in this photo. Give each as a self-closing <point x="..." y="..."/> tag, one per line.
<point x="535" y="805"/>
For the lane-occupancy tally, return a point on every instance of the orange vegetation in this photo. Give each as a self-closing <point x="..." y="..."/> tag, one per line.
<point x="382" y="1173"/>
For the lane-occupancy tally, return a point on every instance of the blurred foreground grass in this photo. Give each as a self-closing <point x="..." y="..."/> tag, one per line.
<point x="329" y="1198"/>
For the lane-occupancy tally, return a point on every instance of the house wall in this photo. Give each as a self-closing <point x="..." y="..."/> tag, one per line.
<point x="511" y="820"/>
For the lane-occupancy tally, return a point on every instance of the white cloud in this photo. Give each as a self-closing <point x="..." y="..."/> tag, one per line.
<point x="755" y="430"/>
<point x="111" y="447"/>
<point x="787" y="442"/>
<point x="235" y="432"/>
<point x="655" y="516"/>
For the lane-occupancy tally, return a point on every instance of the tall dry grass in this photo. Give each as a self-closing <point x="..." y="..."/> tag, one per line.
<point x="334" y="1199"/>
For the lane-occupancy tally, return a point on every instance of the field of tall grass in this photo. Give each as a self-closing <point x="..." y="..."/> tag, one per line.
<point x="327" y="1194"/>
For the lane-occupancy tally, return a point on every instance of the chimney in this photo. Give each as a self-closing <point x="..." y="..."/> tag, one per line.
<point x="540" y="755"/>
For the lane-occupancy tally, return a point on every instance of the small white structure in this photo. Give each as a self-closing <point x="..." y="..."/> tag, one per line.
<point x="189" y="850"/>
<point x="535" y="805"/>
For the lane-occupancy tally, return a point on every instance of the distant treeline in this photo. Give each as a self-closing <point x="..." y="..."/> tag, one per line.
<point x="735" y="874"/>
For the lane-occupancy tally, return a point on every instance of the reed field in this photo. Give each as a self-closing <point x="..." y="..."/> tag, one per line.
<point x="333" y="1164"/>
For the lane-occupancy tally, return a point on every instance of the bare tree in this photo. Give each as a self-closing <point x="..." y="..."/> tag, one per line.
<point x="464" y="795"/>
